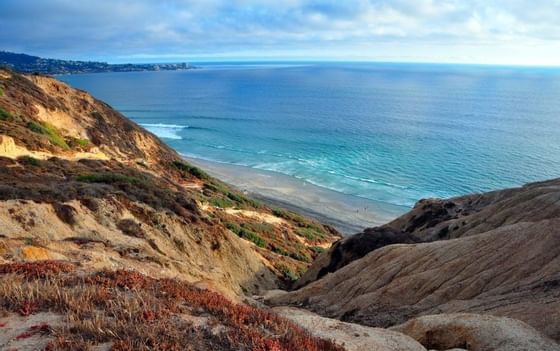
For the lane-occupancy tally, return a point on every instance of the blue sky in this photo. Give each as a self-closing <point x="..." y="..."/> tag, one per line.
<point x="462" y="31"/>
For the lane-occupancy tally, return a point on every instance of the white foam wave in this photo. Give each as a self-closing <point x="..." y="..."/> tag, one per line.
<point x="166" y="131"/>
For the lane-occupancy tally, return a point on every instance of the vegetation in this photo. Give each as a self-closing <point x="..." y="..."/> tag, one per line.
<point x="192" y="170"/>
<point x="311" y="233"/>
<point x="134" y="312"/>
<point x="30" y="161"/>
<point x="246" y="234"/>
<point x="50" y="131"/>
<point x="318" y="249"/>
<point x="5" y="115"/>
<point x="259" y="227"/>
<point x="78" y="143"/>
<point x="109" y="178"/>
<point x="281" y="251"/>
<point x="221" y="202"/>
<point x="1" y="91"/>
<point x="288" y="273"/>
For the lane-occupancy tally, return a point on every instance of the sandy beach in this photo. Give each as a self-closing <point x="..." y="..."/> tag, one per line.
<point x="349" y="214"/>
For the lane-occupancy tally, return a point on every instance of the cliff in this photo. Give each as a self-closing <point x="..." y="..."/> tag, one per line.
<point x="494" y="254"/>
<point x="110" y="241"/>
<point x="81" y="184"/>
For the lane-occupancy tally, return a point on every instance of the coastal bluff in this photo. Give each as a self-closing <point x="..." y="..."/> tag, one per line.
<point x="109" y="240"/>
<point x="445" y="265"/>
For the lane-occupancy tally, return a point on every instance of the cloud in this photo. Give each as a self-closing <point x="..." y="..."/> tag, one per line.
<point x="119" y="30"/>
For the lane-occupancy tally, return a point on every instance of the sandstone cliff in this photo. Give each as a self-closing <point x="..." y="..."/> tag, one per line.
<point x="79" y="181"/>
<point x="493" y="254"/>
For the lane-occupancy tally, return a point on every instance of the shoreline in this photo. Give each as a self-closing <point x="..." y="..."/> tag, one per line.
<point x="348" y="214"/>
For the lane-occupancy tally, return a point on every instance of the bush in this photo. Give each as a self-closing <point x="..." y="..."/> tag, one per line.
<point x="281" y="251"/>
<point x="195" y="171"/>
<point x="246" y="234"/>
<point x="310" y="233"/>
<point x="78" y="143"/>
<point x="109" y="178"/>
<point x="288" y="273"/>
<point x="260" y="227"/>
<point x="221" y="202"/>
<point x="235" y="197"/>
<point x="318" y="249"/>
<point x="216" y="187"/>
<point x="30" y="161"/>
<point x="50" y="131"/>
<point x="300" y="257"/>
<point x="5" y="115"/>
<point x="290" y="216"/>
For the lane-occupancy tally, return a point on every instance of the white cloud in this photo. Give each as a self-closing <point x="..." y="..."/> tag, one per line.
<point x="445" y="30"/>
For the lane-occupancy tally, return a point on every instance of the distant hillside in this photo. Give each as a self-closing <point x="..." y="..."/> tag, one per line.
<point x="34" y="64"/>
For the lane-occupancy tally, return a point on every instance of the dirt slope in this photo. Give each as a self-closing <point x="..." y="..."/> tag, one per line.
<point x="79" y="181"/>
<point x="503" y="260"/>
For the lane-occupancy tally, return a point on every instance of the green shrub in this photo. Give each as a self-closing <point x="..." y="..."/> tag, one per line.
<point x="288" y="273"/>
<point x="278" y="212"/>
<point x="260" y="227"/>
<point x="235" y="197"/>
<point x="221" y="202"/>
<point x="31" y="161"/>
<point x="310" y="233"/>
<point x="318" y="249"/>
<point x="246" y="234"/>
<point x="1" y="91"/>
<point x="217" y="188"/>
<point x="290" y="216"/>
<point x="50" y="131"/>
<point x="260" y="242"/>
<point x="109" y="178"/>
<point x="281" y="251"/>
<point x="195" y="171"/>
<point x="5" y="115"/>
<point x="300" y="257"/>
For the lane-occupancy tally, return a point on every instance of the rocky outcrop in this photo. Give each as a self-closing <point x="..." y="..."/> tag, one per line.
<point x="505" y="265"/>
<point x="475" y="332"/>
<point x="435" y="219"/>
<point x="353" y="337"/>
<point x="352" y="248"/>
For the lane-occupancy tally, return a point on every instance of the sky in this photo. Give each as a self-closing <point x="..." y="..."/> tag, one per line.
<point x="511" y="32"/>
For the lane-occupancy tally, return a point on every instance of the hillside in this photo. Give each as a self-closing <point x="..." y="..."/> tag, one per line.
<point x="110" y="241"/>
<point x="81" y="184"/>
<point x="495" y="254"/>
<point x="34" y="64"/>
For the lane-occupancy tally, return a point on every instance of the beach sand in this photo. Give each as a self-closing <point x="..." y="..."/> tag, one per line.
<point x="349" y="214"/>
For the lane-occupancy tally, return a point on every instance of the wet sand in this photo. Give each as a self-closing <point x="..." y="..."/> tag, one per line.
<point x="349" y="214"/>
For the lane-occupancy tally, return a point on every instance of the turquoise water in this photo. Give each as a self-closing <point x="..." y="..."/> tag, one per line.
<point x="393" y="133"/>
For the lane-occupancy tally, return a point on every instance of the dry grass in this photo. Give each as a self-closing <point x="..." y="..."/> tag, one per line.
<point x="135" y="312"/>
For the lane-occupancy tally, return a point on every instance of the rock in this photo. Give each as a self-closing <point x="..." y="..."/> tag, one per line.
<point x="511" y="271"/>
<point x="352" y="336"/>
<point x="436" y="219"/>
<point x="475" y="332"/>
<point x="352" y="248"/>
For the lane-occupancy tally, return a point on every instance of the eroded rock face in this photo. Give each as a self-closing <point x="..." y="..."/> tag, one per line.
<point x="435" y="219"/>
<point x="80" y="182"/>
<point x="475" y="332"/>
<point x="504" y="261"/>
<point x="352" y="248"/>
<point x="353" y="337"/>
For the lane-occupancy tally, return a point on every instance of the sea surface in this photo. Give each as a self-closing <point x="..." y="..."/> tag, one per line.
<point x="390" y="133"/>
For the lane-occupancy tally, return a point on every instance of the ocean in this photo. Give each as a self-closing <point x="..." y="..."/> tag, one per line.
<point x="388" y="133"/>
